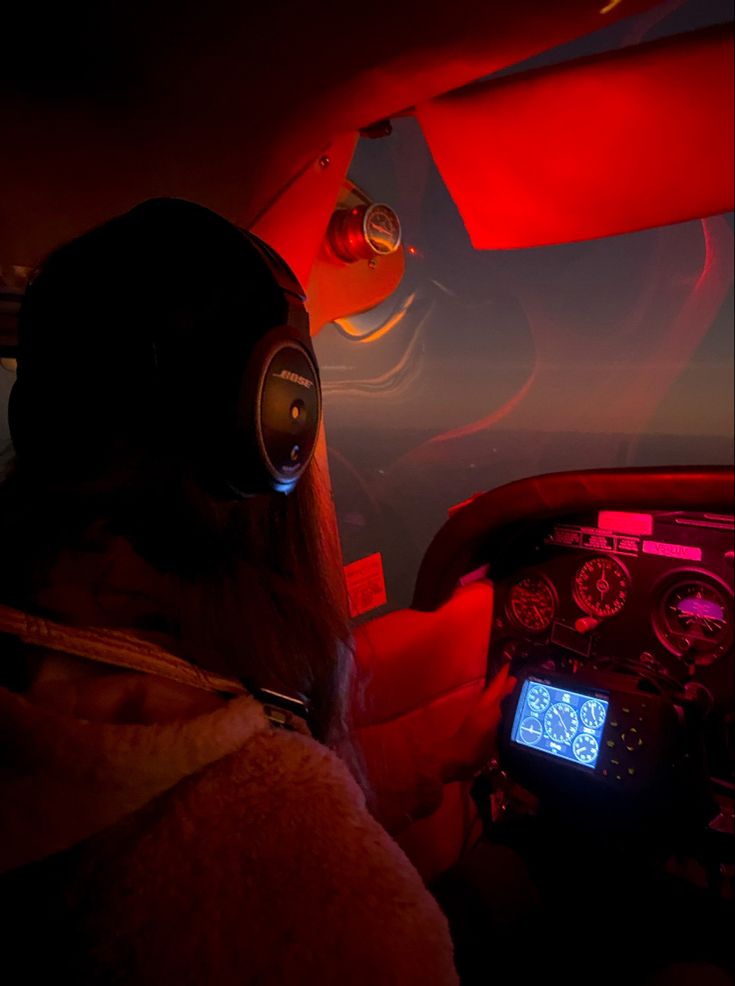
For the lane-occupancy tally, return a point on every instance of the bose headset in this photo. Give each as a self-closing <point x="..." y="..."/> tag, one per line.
<point x="280" y="404"/>
<point x="266" y="448"/>
<point x="269" y="445"/>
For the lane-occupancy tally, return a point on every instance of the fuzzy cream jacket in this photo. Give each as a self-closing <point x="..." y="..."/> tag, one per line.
<point x="209" y="850"/>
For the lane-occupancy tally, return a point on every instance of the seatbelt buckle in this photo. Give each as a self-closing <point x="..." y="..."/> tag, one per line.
<point x="284" y="711"/>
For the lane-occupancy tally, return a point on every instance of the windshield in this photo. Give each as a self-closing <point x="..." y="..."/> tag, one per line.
<point x="488" y="366"/>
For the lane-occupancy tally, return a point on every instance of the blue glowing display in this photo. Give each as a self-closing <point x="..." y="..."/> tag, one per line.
<point x="559" y="722"/>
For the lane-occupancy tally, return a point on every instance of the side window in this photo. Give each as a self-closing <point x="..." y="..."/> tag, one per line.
<point x="487" y="366"/>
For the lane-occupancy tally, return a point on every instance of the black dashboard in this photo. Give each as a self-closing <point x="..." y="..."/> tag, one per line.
<point x="624" y="574"/>
<point x="613" y="606"/>
<point x="650" y="592"/>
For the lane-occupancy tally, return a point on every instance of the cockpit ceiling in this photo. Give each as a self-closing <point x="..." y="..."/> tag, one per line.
<point x="225" y="103"/>
<point x="637" y="138"/>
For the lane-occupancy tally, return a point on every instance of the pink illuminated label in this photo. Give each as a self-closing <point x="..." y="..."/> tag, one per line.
<point x="623" y="522"/>
<point x="672" y="550"/>
<point x="594" y="539"/>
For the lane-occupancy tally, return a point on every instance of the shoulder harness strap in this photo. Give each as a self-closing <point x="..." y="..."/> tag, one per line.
<point x="121" y="649"/>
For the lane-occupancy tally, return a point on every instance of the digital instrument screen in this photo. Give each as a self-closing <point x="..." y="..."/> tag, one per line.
<point x="559" y="722"/>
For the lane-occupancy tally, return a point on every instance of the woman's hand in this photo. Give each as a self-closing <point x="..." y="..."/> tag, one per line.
<point x="476" y="741"/>
<point x="408" y="777"/>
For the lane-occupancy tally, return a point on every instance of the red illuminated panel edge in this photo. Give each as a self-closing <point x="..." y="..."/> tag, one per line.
<point x="458" y="506"/>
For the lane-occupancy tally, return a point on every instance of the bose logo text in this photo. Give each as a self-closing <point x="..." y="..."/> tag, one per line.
<point x="294" y="378"/>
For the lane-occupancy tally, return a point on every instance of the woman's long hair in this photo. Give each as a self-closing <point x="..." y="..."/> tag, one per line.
<point x="253" y="588"/>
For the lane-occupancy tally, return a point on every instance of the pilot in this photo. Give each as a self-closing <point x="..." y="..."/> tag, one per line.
<point x="179" y="798"/>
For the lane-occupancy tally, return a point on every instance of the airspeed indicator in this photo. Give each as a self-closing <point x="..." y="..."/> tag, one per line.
<point x="532" y="603"/>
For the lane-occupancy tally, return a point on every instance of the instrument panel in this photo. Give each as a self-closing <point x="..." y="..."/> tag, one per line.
<point x="651" y="591"/>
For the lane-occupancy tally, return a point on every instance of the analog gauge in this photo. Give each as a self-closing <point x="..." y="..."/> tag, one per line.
<point x="561" y="722"/>
<point x="538" y="698"/>
<point x="592" y="714"/>
<point x="601" y="587"/>
<point x="530" y="731"/>
<point x="382" y="229"/>
<point x="532" y="603"/>
<point x="585" y="748"/>
<point x="694" y="618"/>
<point x="363" y="232"/>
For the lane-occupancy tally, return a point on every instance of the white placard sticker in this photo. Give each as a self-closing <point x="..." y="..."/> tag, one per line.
<point x="684" y="551"/>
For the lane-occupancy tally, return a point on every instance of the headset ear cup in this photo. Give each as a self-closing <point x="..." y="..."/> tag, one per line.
<point x="279" y="416"/>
